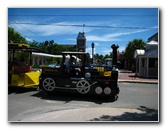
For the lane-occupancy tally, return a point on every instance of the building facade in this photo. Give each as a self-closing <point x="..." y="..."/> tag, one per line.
<point x="81" y="42"/>
<point x="147" y="60"/>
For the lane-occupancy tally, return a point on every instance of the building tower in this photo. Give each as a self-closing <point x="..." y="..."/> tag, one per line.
<point x="81" y="42"/>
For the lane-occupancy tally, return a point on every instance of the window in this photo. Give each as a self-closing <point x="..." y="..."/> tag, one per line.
<point x="143" y="63"/>
<point x="153" y="62"/>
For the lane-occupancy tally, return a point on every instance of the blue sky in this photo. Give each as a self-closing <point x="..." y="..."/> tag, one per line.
<point x="103" y="26"/>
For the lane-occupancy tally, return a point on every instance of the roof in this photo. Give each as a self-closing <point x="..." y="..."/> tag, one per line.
<point x="22" y="47"/>
<point x="153" y="37"/>
<point x="81" y="35"/>
<point x="50" y="55"/>
<point x="46" y="55"/>
<point x="15" y="45"/>
<point x="153" y="53"/>
<point x="152" y="43"/>
<point x="73" y="53"/>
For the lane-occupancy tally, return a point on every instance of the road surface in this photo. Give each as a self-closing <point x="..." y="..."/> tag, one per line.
<point x="136" y="102"/>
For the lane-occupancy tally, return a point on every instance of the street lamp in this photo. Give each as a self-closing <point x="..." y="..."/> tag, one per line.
<point x="93" y="45"/>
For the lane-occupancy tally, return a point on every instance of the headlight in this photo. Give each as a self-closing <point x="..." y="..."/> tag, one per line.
<point x="87" y="75"/>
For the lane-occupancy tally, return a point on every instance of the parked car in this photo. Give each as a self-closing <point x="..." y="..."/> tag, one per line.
<point x="54" y="65"/>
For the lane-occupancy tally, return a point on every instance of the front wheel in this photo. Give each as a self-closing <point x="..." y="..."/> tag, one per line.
<point x="49" y="85"/>
<point x="83" y="86"/>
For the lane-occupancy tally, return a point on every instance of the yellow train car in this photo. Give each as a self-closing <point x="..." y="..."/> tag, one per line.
<point x="20" y="72"/>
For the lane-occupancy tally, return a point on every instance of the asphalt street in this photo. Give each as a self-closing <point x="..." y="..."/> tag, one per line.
<point x="136" y="102"/>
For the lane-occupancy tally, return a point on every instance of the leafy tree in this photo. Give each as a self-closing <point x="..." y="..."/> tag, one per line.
<point x="15" y="37"/>
<point x="130" y="49"/>
<point x="107" y="56"/>
<point x="49" y="47"/>
<point x="99" y="58"/>
<point x="52" y="48"/>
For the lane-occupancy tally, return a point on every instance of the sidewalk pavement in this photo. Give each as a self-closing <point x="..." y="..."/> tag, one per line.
<point x="99" y="114"/>
<point x="128" y="76"/>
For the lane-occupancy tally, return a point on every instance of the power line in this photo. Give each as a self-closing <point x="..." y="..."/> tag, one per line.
<point x="77" y="25"/>
<point x="27" y="29"/>
<point x="83" y="25"/>
<point x="103" y="15"/>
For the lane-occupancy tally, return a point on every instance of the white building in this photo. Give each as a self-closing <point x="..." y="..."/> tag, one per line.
<point x="147" y="60"/>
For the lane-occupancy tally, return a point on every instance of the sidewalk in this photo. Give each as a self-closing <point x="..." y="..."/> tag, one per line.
<point x="128" y="76"/>
<point x="99" y="114"/>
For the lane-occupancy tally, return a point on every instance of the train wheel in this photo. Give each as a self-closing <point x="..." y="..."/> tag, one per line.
<point x="83" y="86"/>
<point x="49" y="85"/>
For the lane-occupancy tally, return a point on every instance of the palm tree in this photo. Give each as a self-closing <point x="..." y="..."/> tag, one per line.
<point x="129" y="52"/>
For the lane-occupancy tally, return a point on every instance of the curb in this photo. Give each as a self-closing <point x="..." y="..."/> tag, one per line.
<point x="138" y="81"/>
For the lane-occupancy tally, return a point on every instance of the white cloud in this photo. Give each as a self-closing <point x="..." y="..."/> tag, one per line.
<point x="96" y="44"/>
<point x="104" y="49"/>
<point x="29" y="39"/>
<point x="48" y="30"/>
<point x="56" y="29"/>
<point x="89" y="50"/>
<point x="113" y="36"/>
<point x="101" y="38"/>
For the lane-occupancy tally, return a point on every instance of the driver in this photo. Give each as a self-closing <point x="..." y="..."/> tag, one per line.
<point x="70" y="63"/>
<point x="70" y="66"/>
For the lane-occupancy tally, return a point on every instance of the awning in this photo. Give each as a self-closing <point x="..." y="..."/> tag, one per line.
<point x="46" y="55"/>
<point x="139" y="52"/>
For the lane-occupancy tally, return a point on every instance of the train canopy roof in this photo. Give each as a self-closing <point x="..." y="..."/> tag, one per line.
<point x="22" y="47"/>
